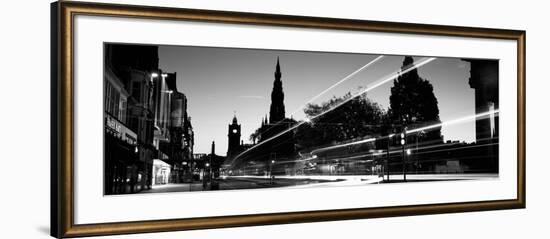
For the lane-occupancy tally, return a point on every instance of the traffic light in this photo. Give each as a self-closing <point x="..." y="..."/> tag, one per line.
<point x="403" y="141"/>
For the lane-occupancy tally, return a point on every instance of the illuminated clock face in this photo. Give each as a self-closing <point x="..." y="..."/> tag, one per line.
<point x="234" y="131"/>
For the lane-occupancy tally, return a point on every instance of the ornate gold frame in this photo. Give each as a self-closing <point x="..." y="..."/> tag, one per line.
<point x="62" y="117"/>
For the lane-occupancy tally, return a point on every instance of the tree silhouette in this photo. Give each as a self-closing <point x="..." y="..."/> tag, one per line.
<point x="413" y="103"/>
<point x="357" y="118"/>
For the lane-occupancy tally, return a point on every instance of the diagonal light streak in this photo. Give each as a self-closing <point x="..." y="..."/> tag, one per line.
<point x="429" y="127"/>
<point x="338" y="83"/>
<point x="331" y="87"/>
<point x="378" y="83"/>
<point x="456" y="121"/>
<point x="374" y="85"/>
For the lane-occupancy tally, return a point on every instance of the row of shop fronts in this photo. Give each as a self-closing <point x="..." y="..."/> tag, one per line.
<point x="147" y="132"/>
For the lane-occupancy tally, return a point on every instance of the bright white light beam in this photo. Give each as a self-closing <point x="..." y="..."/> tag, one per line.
<point x="446" y="123"/>
<point x="456" y="121"/>
<point x="338" y="83"/>
<point x="380" y="82"/>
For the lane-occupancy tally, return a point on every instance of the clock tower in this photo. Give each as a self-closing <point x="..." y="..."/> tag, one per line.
<point x="234" y="137"/>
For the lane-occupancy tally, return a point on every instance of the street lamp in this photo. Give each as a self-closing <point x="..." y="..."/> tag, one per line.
<point x="403" y="142"/>
<point x="271" y="171"/>
<point x="419" y="135"/>
<point x="388" y="155"/>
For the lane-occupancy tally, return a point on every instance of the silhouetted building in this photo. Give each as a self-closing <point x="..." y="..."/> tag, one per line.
<point x="233" y="138"/>
<point x="214" y="162"/>
<point x="277" y="109"/>
<point x="149" y="135"/>
<point x="137" y="57"/>
<point x="282" y="146"/>
<point x="120" y="158"/>
<point x="188" y="137"/>
<point x="128" y="70"/>
<point x="484" y="79"/>
<point x="274" y="140"/>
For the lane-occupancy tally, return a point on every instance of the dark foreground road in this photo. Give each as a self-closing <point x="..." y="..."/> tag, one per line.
<point x="232" y="183"/>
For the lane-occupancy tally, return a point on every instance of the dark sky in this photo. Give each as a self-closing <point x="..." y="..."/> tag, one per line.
<point x="221" y="81"/>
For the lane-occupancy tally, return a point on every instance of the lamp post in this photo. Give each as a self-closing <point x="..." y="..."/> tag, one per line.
<point x="273" y="157"/>
<point x="149" y="177"/>
<point x="271" y="171"/>
<point x="388" y="156"/>
<point x="403" y="142"/>
<point x="206" y="167"/>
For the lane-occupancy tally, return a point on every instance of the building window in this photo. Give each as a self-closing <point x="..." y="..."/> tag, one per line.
<point x="112" y="100"/>
<point x="122" y="114"/>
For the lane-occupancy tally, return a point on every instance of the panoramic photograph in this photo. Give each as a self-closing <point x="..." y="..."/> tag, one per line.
<point x="192" y="118"/>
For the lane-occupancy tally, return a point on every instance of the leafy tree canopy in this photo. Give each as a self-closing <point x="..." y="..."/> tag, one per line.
<point x="356" y="118"/>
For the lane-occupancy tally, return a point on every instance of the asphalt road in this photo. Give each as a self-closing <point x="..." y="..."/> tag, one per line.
<point x="253" y="182"/>
<point x="231" y="184"/>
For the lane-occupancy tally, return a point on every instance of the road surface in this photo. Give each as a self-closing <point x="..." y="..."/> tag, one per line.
<point x="311" y="181"/>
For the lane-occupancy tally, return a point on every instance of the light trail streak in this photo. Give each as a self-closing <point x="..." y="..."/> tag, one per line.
<point x="456" y="121"/>
<point x="338" y="83"/>
<point x="374" y="85"/>
<point x="425" y="128"/>
<point x="452" y="149"/>
<point x="330" y="88"/>
<point x="344" y="145"/>
<point x="378" y="83"/>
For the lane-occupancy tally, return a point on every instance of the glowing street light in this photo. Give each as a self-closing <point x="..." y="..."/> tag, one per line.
<point x="403" y="142"/>
<point x="387" y="167"/>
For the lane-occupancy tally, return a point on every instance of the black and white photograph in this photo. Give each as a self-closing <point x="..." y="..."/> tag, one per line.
<point x="275" y="119"/>
<point x="192" y="118"/>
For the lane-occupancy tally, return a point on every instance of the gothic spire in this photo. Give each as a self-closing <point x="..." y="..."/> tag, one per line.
<point x="277" y="109"/>
<point x="263" y="120"/>
<point x="234" y="117"/>
<point x="278" y="69"/>
<point x="213" y="149"/>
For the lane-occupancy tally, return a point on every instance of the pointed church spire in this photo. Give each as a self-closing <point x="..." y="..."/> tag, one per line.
<point x="278" y="69"/>
<point x="213" y="149"/>
<point x="234" y="117"/>
<point x="263" y="120"/>
<point x="277" y="109"/>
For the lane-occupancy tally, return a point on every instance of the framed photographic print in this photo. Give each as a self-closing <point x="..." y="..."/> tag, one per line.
<point x="171" y="119"/>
